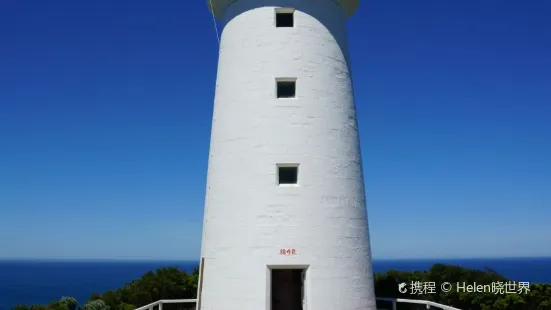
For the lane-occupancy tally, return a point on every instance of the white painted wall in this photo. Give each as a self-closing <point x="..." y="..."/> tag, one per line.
<point x="248" y="218"/>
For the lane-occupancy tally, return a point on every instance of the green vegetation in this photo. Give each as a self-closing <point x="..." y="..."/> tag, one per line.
<point x="165" y="283"/>
<point x="171" y="283"/>
<point x="495" y="298"/>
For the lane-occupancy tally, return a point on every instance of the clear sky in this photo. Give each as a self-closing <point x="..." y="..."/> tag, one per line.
<point x="105" y="115"/>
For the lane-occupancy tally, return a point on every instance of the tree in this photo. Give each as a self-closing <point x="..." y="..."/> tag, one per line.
<point x="172" y="283"/>
<point x="538" y="298"/>
<point x="95" y="296"/>
<point x="70" y="302"/>
<point x="96" y="305"/>
<point x="126" y="307"/>
<point x="57" y="305"/>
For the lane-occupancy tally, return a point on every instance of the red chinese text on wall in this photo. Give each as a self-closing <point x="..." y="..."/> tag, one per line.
<point x="288" y="252"/>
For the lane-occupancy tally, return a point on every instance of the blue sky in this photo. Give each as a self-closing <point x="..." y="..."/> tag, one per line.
<point x="105" y="114"/>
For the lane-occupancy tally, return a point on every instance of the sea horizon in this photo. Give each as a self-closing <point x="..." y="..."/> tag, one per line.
<point x="41" y="281"/>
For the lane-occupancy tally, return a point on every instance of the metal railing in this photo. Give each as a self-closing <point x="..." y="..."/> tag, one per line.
<point x="393" y="301"/>
<point x="160" y="303"/>
<point x="429" y="304"/>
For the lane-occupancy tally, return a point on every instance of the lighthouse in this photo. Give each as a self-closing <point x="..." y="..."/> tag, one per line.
<point x="285" y="222"/>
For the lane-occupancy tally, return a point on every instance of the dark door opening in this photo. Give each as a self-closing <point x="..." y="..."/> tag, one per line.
<point x="287" y="289"/>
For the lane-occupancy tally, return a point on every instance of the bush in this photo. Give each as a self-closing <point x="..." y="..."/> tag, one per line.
<point x="172" y="283"/>
<point x="70" y="302"/>
<point x="95" y="305"/>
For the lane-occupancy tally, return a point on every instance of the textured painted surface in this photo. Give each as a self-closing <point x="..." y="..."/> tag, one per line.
<point x="248" y="217"/>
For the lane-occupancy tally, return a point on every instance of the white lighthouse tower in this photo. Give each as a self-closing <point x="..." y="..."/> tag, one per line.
<point x="285" y="225"/>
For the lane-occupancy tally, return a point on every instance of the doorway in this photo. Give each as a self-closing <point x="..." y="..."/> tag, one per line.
<point x="287" y="289"/>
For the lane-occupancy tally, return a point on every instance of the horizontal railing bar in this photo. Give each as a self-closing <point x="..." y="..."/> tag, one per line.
<point x="417" y="301"/>
<point x="393" y="300"/>
<point x="166" y="301"/>
<point x="153" y="304"/>
<point x="177" y="301"/>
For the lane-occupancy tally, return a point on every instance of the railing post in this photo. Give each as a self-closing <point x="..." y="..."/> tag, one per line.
<point x="394" y="305"/>
<point x="160" y="306"/>
<point x="428" y="306"/>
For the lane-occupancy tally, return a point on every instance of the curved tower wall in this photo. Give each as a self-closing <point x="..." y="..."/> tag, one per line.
<point x="320" y="223"/>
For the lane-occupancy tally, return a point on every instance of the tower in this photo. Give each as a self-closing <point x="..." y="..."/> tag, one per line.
<point x="285" y="224"/>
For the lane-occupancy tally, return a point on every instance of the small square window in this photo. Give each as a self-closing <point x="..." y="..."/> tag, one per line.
<point x="285" y="18"/>
<point x="286" y="88"/>
<point x="287" y="174"/>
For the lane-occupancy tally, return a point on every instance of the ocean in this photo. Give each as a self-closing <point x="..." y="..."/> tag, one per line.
<point x="40" y="282"/>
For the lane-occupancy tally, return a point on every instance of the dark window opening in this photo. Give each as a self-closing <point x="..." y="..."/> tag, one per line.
<point x="285" y="19"/>
<point x="286" y="89"/>
<point x="288" y="175"/>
